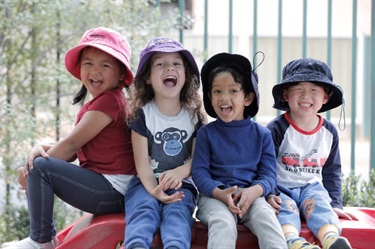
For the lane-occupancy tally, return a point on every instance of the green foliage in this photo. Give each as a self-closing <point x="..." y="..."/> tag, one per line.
<point x="14" y="221"/>
<point x="36" y="91"/>
<point x="359" y="192"/>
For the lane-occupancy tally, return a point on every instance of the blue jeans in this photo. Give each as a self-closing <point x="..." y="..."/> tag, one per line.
<point x="312" y="203"/>
<point x="144" y="215"/>
<point x="79" y="187"/>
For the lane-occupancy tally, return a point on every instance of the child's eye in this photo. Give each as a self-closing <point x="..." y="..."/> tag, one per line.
<point x="86" y="63"/>
<point x="216" y="91"/>
<point x="105" y="65"/>
<point x="234" y="91"/>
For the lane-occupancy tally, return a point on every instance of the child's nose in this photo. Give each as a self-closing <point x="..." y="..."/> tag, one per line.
<point x="170" y="68"/>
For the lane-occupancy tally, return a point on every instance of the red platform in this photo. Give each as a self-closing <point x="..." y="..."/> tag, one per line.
<point x="107" y="232"/>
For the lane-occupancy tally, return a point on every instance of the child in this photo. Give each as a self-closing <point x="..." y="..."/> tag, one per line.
<point x="167" y="113"/>
<point x="234" y="164"/>
<point x="308" y="158"/>
<point x="99" y="140"/>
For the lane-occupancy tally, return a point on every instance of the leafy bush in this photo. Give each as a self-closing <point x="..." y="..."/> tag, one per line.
<point x="358" y="192"/>
<point x="14" y="221"/>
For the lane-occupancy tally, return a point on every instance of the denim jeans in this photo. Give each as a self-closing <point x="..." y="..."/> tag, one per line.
<point x="144" y="215"/>
<point x="311" y="203"/>
<point x="79" y="187"/>
<point x="222" y="224"/>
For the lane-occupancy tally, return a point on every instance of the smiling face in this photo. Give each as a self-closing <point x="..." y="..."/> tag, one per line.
<point x="305" y="98"/>
<point x="167" y="75"/>
<point x="227" y="97"/>
<point x="99" y="71"/>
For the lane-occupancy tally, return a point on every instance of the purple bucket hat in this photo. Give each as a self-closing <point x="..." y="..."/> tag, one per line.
<point x="307" y="70"/>
<point x="106" y="40"/>
<point x="166" y="45"/>
<point x="243" y="65"/>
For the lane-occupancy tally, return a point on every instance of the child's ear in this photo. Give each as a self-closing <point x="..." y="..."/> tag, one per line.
<point x="285" y="95"/>
<point x="249" y="99"/>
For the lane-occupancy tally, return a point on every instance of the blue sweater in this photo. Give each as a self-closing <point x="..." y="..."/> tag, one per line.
<point x="238" y="153"/>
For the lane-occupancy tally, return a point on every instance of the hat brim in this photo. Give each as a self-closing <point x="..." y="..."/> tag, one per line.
<point x="222" y="59"/>
<point x="71" y="59"/>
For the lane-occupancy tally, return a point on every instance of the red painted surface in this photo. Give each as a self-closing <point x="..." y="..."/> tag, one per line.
<point x="107" y="232"/>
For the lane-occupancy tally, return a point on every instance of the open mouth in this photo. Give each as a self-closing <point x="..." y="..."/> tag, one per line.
<point x="95" y="82"/>
<point x="170" y="81"/>
<point x="225" y="109"/>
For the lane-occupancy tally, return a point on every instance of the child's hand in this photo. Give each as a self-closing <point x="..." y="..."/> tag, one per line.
<point x="342" y="214"/>
<point x="21" y="178"/>
<point x="226" y="197"/>
<point x="245" y="197"/>
<point x="275" y="202"/>
<point x="170" y="180"/>
<point x="159" y="194"/>
<point x="36" y="151"/>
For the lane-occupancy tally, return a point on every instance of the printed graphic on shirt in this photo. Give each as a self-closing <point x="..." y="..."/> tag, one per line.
<point x="301" y="157"/>
<point x="307" y="163"/>
<point x="170" y="139"/>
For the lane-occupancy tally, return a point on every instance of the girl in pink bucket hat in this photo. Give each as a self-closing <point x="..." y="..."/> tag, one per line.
<point x="99" y="141"/>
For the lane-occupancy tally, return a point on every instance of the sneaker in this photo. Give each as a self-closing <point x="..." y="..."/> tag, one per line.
<point x="303" y="244"/>
<point x="336" y="242"/>
<point x="29" y="244"/>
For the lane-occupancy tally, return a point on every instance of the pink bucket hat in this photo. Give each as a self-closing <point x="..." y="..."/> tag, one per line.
<point x="108" y="41"/>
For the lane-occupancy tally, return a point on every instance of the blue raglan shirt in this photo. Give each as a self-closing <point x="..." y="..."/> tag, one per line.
<point x="238" y="153"/>
<point x="307" y="157"/>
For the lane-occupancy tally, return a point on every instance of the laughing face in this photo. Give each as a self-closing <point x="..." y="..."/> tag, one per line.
<point x="228" y="98"/>
<point x="167" y="74"/>
<point x="99" y="71"/>
<point x="305" y="98"/>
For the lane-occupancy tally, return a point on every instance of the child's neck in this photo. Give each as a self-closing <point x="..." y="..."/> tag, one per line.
<point x="305" y="123"/>
<point x="168" y="107"/>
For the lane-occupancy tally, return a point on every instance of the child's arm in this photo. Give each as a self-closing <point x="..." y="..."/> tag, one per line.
<point x="145" y="173"/>
<point x="88" y="127"/>
<point x="172" y="179"/>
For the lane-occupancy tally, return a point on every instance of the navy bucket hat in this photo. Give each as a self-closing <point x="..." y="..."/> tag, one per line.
<point x="307" y="70"/>
<point x="242" y="64"/>
<point x="166" y="45"/>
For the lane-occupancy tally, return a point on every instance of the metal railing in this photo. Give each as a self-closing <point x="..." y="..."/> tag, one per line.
<point x="369" y="118"/>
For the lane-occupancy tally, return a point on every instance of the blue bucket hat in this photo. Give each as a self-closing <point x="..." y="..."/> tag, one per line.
<point x="307" y="70"/>
<point x="242" y="64"/>
<point x="166" y="45"/>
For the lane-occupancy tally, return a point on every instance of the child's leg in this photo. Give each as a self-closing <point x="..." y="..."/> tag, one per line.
<point x="221" y="223"/>
<point x="142" y="216"/>
<point x="177" y="221"/>
<point x="319" y="215"/>
<point x="261" y="220"/>
<point x="289" y="218"/>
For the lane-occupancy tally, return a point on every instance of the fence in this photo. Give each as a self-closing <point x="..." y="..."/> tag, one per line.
<point x="341" y="53"/>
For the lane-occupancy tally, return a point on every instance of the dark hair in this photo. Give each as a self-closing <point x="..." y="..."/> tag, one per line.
<point x="237" y="76"/>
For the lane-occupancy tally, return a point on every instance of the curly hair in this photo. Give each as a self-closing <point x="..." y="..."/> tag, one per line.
<point x="190" y="97"/>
